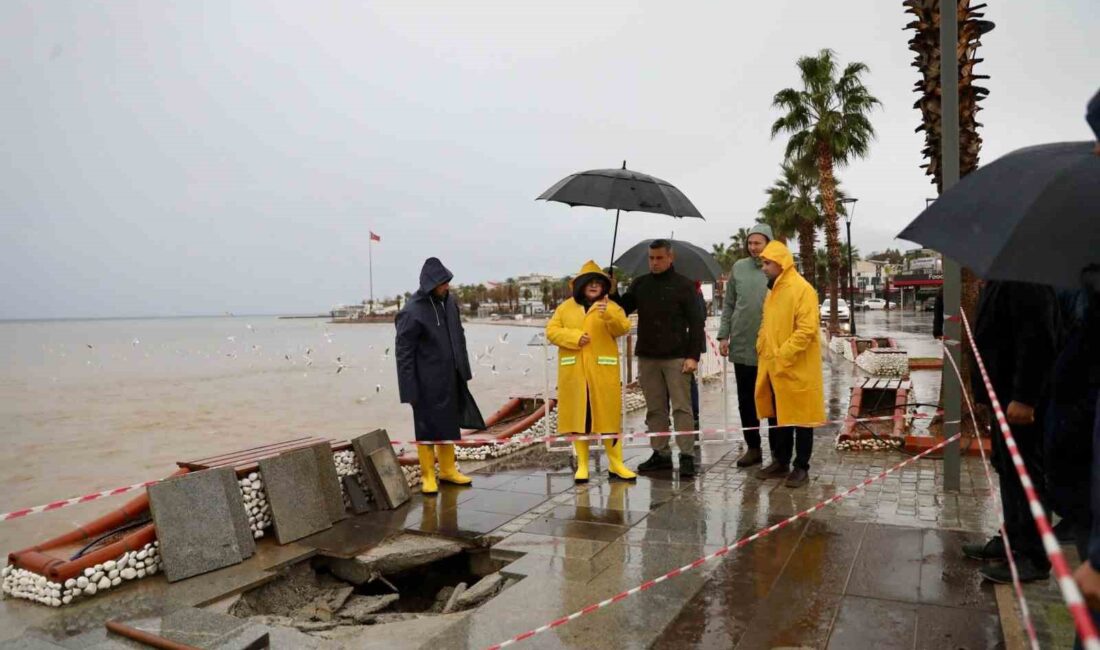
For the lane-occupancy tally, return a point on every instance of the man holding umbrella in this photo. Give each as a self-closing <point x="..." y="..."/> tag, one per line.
<point x="670" y="335"/>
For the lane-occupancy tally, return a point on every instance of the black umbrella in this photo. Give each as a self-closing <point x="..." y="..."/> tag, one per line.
<point x="1031" y="216"/>
<point x="694" y="262"/>
<point x="621" y="189"/>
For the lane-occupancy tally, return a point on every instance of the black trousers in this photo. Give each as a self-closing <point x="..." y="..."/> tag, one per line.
<point x="1019" y="524"/>
<point x="745" y="376"/>
<point x="787" y="441"/>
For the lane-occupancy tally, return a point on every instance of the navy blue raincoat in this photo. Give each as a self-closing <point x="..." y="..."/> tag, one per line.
<point x="432" y="364"/>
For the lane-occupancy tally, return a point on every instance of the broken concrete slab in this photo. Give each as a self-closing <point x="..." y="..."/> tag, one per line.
<point x="482" y="590"/>
<point x="381" y="470"/>
<point x="195" y="523"/>
<point x="360" y="502"/>
<point x="441" y="599"/>
<point x="296" y="587"/>
<point x="361" y="609"/>
<point x="392" y="556"/>
<point x="325" y="605"/>
<point x="292" y="481"/>
<point x="329" y="481"/>
<point x="452" y="602"/>
<point x="408" y="634"/>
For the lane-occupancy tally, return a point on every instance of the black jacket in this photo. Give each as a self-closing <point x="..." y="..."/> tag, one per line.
<point x="670" y="323"/>
<point x="432" y="364"/>
<point x="1017" y="333"/>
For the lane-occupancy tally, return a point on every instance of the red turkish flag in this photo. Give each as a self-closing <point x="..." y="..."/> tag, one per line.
<point x="374" y="237"/>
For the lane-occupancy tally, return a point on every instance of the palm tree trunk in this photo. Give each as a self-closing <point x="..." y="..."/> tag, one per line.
<point x="827" y="187"/>
<point x="806" y="244"/>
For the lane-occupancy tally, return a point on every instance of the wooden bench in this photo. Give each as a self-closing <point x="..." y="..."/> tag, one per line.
<point x="247" y="460"/>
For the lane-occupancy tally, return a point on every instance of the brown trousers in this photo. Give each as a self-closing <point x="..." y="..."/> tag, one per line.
<point x="663" y="381"/>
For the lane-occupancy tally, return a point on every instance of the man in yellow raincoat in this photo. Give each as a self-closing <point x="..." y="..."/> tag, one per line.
<point x="790" y="390"/>
<point x="589" y="385"/>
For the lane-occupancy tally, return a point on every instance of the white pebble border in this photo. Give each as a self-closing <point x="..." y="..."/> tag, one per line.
<point x="885" y="362"/>
<point x="132" y="565"/>
<point x="255" y="504"/>
<point x="870" y="444"/>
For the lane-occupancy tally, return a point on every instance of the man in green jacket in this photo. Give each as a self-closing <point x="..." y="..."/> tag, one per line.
<point x="742" y="308"/>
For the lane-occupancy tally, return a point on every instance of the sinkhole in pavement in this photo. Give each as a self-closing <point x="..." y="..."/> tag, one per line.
<point x="411" y="577"/>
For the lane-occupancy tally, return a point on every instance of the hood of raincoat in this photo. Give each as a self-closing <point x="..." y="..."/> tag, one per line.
<point x="777" y="251"/>
<point x="760" y="229"/>
<point x="433" y="274"/>
<point x="590" y="271"/>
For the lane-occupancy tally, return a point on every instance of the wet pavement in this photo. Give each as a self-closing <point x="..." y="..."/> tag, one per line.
<point x="882" y="568"/>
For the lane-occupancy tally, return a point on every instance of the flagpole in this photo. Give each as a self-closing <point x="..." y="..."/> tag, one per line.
<point x="370" y="268"/>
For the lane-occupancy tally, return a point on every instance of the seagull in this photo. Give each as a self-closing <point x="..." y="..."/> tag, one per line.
<point x="503" y="338"/>
<point x="340" y="369"/>
<point x="135" y="342"/>
<point x="494" y="369"/>
<point x="250" y="328"/>
<point x="231" y="338"/>
<point x="378" y="388"/>
<point x="526" y="371"/>
<point x="89" y="346"/>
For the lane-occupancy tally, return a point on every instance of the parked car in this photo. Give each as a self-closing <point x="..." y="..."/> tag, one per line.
<point x="842" y="311"/>
<point x="875" y="303"/>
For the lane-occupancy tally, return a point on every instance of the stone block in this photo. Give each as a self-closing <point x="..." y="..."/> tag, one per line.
<point x="360" y="503"/>
<point x="381" y="470"/>
<point x="292" y="481"/>
<point x="330" y="482"/>
<point x="195" y="523"/>
<point x="360" y="609"/>
<point x="392" y="556"/>
<point x="245" y="541"/>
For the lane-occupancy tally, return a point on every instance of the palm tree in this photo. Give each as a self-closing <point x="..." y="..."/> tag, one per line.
<point x="725" y="256"/>
<point x="827" y="120"/>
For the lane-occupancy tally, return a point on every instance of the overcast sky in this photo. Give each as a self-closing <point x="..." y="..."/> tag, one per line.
<point x="203" y="157"/>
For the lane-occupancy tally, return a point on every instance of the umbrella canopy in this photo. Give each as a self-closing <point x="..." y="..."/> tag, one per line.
<point x="691" y="261"/>
<point x="1032" y="215"/>
<point x="621" y="189"/>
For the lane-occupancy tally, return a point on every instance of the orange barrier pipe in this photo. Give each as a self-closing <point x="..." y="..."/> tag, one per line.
<point x="38" y="560"/>
<point x="147" y="638"/>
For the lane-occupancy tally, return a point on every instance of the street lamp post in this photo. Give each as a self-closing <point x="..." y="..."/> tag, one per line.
<point x="849" y="214"/>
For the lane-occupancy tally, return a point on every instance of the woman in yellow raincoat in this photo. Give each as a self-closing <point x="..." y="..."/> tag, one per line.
<point x="589" y="386"/>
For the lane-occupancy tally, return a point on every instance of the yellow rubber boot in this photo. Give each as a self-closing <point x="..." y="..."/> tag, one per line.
<point x="426" y="454"/>
<point x="448" y="471"/>
<point x="582" y="461"/>
<point x="615" y="466"/>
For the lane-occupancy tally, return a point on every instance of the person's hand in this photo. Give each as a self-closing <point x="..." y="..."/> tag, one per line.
<point x="601" y="306"/>
<point x="724" y="347"/>
<point x="1019" y="413"/>
<point x="585" y="340"/>
<point x="689" y="366"/>
<point x="1088" y="581"/>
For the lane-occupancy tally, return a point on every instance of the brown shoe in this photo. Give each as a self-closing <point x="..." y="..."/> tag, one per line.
<point x="775" y="470"/>
<point x="752" y="456"/>
<point x="797" y="478"/>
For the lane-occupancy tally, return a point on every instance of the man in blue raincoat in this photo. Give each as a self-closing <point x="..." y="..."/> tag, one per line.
<point x="432" y="370"/>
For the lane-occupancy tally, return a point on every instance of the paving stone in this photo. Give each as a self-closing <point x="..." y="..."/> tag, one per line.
<point x="381" y="469"/>
<point x="330" y="482"/>
<point x="292" y="481"/>
<point x="195" y="523"/>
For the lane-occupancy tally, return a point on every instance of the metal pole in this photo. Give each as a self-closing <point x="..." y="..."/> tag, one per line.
<point x="851" y="285"/>
<point x="952" y="276"/>
<point x="546" y="390"/>
<point x="370" y="271"/>
<point x="725" y="400"/>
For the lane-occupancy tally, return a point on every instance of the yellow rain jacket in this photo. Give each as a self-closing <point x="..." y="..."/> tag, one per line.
<point x="789" y="348"/>
<point x="590" y="373"/>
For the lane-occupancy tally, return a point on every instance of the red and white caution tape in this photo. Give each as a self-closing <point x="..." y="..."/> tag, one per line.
<point x="1070" y="593"/>
<point x="649" y="584"/>
<point x="56" y="505"/>
<point x="1025" y="612"/>
<point x="659" y="434"/>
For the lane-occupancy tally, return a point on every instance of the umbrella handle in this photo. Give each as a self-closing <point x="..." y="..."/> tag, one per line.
<point x="614" y="240"/>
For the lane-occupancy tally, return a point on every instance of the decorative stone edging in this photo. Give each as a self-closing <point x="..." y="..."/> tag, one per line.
<point x="132" y="565"/>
